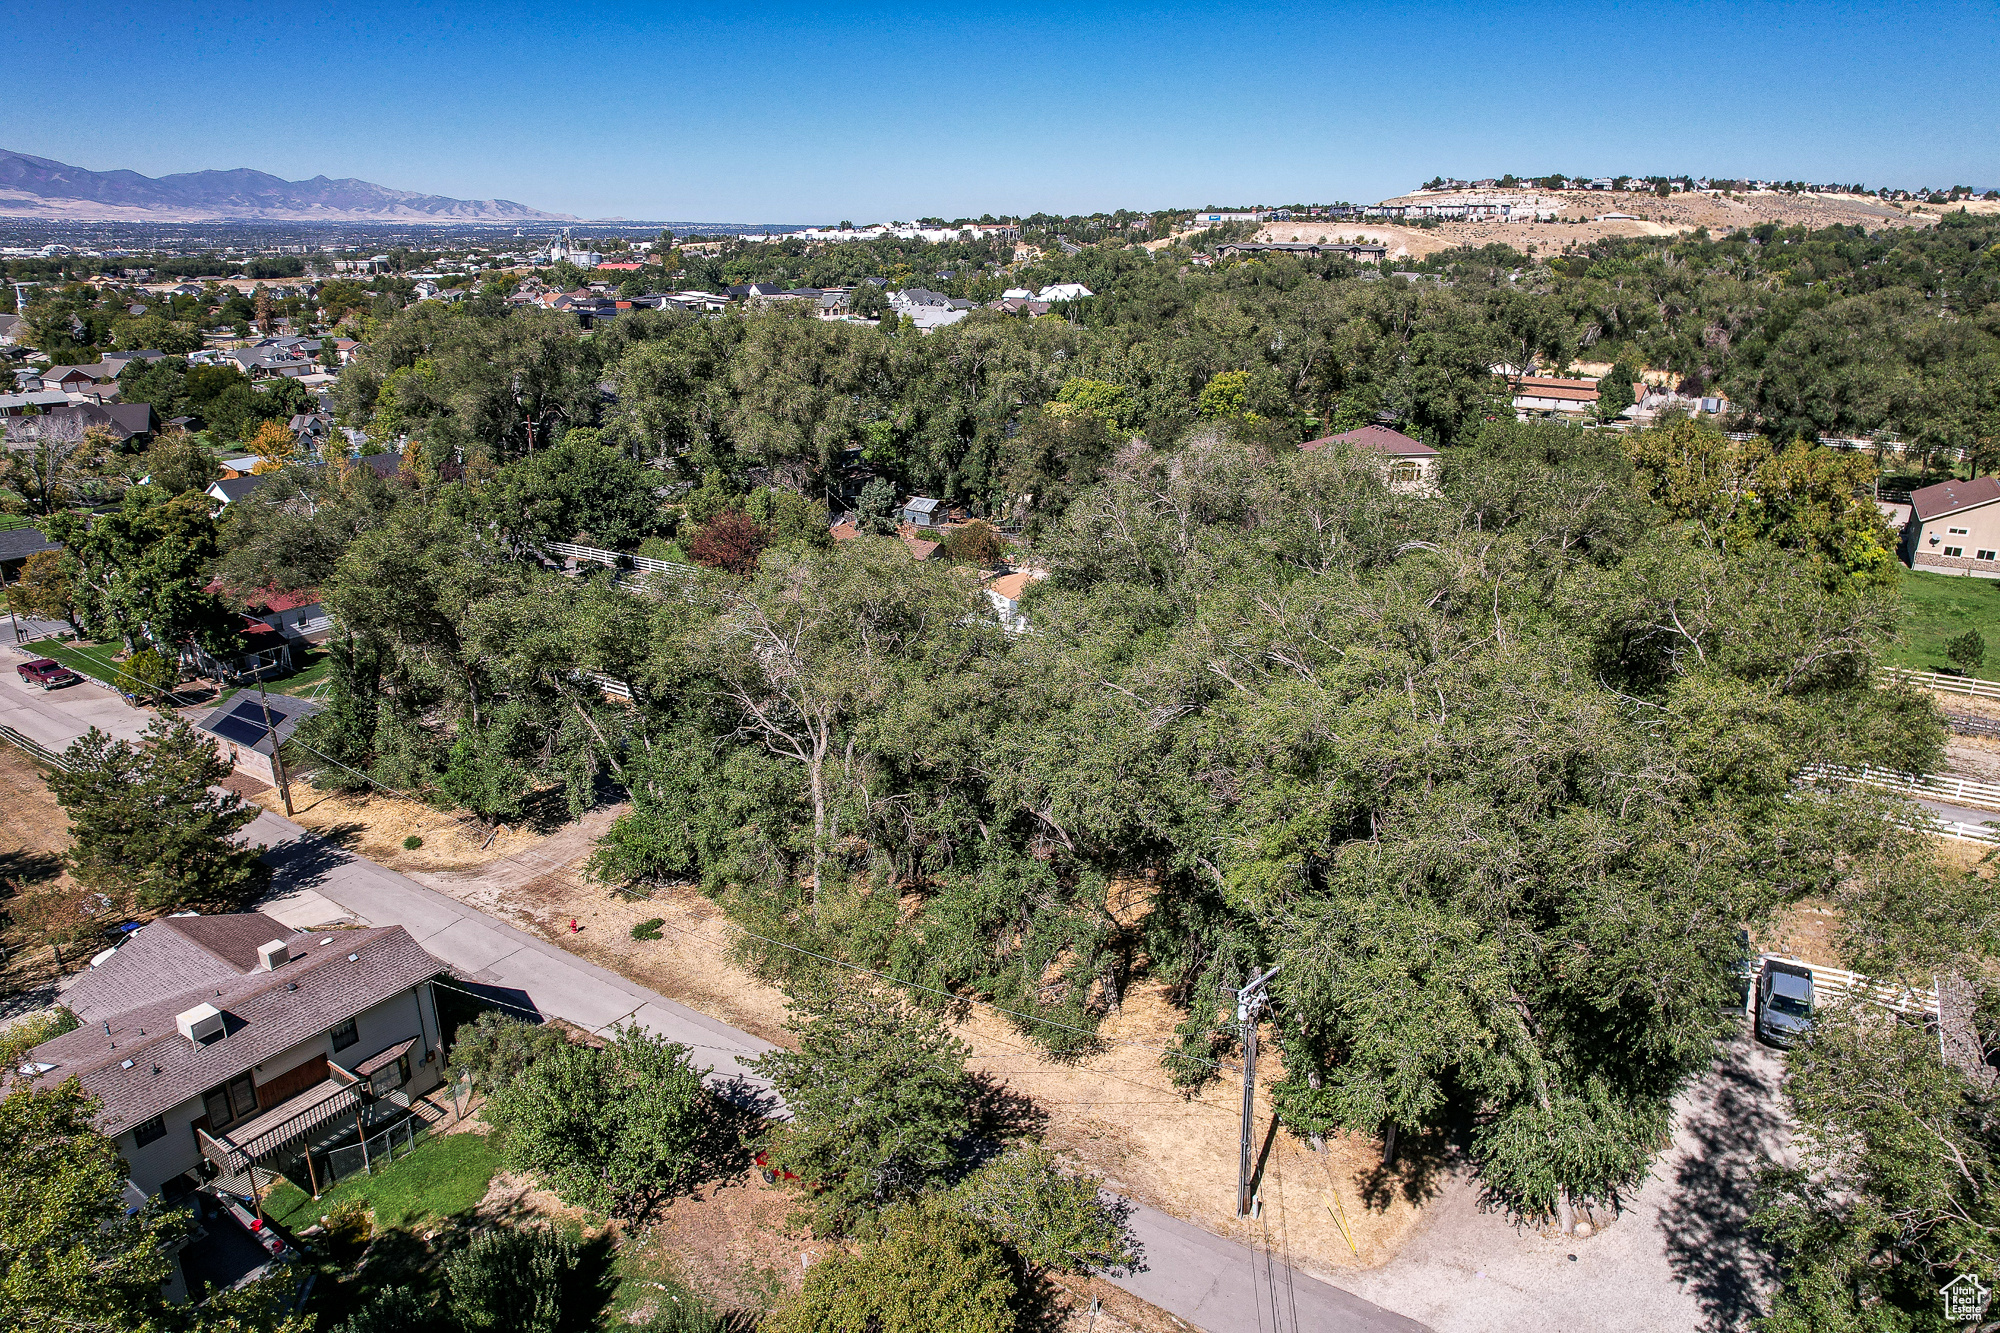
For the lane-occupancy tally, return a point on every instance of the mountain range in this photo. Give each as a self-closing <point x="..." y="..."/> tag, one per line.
<point x="36" y="187"/>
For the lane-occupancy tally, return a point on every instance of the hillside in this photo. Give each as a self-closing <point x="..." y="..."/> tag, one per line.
<point x="1578" y="215"/>
<point x="37" y="187"/>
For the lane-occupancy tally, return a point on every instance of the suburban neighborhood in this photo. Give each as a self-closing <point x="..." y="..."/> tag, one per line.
<point x="1086" y="705"/>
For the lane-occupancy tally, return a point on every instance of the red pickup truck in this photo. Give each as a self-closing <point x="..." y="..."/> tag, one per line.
<point x="47" y="673"/>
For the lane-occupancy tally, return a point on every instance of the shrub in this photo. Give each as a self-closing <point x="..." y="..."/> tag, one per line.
<point x="495" y="1048"/>
<point x="731" y="541"/>
<point x="613" y="1130"/>
<point x="411" y="843"/>
<point x="931" y="1269"/>
<point x="975" y="543"/>
<point x="1967" y="651"/>
<point x="512" y="1280"/>
<point x="649" y="930"/>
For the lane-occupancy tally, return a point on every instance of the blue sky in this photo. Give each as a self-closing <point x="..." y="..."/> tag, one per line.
<point x="809" y="113"/>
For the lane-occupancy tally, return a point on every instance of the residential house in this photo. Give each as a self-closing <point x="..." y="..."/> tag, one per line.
<point x="1063" y="291"/>
<point x="41" y="400"/>
<point x="75" y="379"/>
<point x="1005" y="592"/>
<point x="116" y="362"/>
<point x="247" y="729"/>
<point x="215" y="1043"/>
<point x="310" y="429"/>
<point x="1535" y="394"/>
<point x="1364" y="253"/>
<point x="123" y="422"/>
<point x="1405" y="464"/>
<point x="231" y="489"/>
<point x="16" y="545"/>
<point x="10" y="330"/>
<point x="1954" y="528"/>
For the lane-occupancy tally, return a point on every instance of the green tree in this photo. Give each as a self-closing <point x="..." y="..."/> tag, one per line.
<point x="147" y="825"/>
<point x="875" y="509"/>
<point x="517" y="1280"/>
<point x="1055" y="1221"/>
<point x="1614" y="391"/>
<point x="879" y="1097"/>
<point x="176" y="463"/>
<point x="1967" y="651"/>
<point x="76" y="1260"/>
<point x="140" y="572"/>
<point x="496" y="1048"/>
<point x="1109" y="403"/>
<point x="580" y="490"/>
<point x="615" y="1130"/>
<point x="931" y="1269"/>
<point x="44" y="589"/>
<point x="1897" y="1189"/>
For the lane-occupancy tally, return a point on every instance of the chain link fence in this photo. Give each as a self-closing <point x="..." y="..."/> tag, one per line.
<point x="373" y="1153"/>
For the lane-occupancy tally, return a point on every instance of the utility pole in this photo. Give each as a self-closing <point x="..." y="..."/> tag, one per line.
<point x="1249" y="1003"/>
<point x="277" y="763"/>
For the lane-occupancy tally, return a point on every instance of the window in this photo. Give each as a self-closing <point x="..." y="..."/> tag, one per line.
<point x="149" y="1131"/>
<point x="1982" y="555"/>
<point x="392" y="1076"/>
<point x="231" y="1102"/>
<point x="345" y="1035"/>
<point x="1954" y="550"/>
<point x="1959" y="532"/>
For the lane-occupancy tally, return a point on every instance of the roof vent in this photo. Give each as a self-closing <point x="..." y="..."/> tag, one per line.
<point x="201" y="1025"/>
<point x="272" y="956"/>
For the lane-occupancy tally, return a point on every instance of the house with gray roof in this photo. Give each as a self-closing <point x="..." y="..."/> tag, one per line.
<point x="217" y="1043"/>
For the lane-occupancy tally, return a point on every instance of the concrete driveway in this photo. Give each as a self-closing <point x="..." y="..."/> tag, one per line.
<point x="1677" y="1260"/>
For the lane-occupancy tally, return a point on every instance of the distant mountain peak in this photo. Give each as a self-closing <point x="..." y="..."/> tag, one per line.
<point x="40" y="187"/>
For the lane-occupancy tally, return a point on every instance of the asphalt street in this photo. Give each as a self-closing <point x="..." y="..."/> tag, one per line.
<point x="1213" y="1283"/>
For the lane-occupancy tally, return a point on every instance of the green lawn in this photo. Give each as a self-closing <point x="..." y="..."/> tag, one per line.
<point x="1938" y="608"/>
<point x="316" y="666"/>
<point x="94" y="660"/>
<point x="445" y="1176"/>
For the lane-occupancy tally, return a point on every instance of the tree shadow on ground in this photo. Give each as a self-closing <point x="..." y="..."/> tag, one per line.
<point x="25" y="867"/>
<point x="1423" y="1162"/>
<point x="999" y="1112"/>
<point x="1732" y="1132"/>
<point x="306" y="861"/>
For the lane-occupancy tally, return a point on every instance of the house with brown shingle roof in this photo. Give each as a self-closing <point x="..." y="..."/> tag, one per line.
<point x="1954" y="528"/>
<point x="215" y="1043"/>
<point x="1404" y="464"/>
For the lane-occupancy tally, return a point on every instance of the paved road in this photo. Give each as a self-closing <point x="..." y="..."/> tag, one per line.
<point x="1964" y="814"/>
<point x="1225" y="1287"/>
<point x="1213" y="1283"/>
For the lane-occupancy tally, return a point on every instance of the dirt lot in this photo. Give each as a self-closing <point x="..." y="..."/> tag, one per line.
<point x="33" y="834"/>
<point x="1653" y="216"/>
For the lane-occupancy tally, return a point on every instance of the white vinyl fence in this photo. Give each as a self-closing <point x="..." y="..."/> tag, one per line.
<point x="1960" y="791"/>
<point x="1833" y="983"/>
<point x="1937" y="680"/>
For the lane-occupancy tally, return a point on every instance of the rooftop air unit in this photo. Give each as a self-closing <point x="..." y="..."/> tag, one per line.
<point x="201" y="1025"/>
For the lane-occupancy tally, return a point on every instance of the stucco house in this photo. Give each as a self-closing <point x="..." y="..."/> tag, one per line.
<point x="1954" y="528"/>
<point x="1405" y="464"/>
<point x="215" y="1043"/>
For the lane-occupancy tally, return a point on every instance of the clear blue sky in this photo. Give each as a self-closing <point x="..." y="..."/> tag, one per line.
<point x="816" y="112"/>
